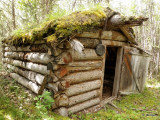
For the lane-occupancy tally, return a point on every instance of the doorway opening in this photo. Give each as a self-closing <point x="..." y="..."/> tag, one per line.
<point x="109" y="71"/>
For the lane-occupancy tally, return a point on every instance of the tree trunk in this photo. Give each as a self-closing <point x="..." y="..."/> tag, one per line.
<point x="13" y="15"/>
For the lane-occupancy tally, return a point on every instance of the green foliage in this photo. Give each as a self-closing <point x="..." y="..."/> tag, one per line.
<point x="8" y="109"/>
<point x="13" y="99"/>
<point x="44" y="102"/>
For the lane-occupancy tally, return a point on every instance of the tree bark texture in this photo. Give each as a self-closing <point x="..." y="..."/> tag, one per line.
<point x="28" y="84"/>
<point x="43" y="58"/>
<point x="83" y="97"/>
<point x="13" y="15"/>
<point x="87" y="54"/>
<point x="78" y="77"/>
<point x="105" y="35"/>
<point x="32" y="48"/>
<point x="28" y="65"/>
<point x="84" y="105"/>
<point x="82" y="87"/>
<point x="30" y="75"/>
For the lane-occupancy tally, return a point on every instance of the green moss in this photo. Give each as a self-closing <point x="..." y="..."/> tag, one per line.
<point x="142" y="106"/>
<point x="51" y="38"/>
<point x="78" y="22"/>
<point x="62" y="28"/>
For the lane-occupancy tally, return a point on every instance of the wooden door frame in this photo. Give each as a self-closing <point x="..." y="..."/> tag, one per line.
<point x="118" y="69"/>
<point x="117" y="73"/>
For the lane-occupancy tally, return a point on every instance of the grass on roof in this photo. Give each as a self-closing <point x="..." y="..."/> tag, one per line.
<point x="61" y="28"/>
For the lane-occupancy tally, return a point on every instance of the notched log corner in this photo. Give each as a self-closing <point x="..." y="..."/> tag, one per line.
<point x="61" y="100"/>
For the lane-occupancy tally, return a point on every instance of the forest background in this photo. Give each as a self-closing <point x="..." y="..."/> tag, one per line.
<point x="17" y="15"/>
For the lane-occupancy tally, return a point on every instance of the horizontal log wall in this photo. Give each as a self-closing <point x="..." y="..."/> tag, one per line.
<point x="27" y="65"/>
<point x="28" y="84"/>
<point x="43" y="58"/>
<point x="83" y="97"/>
<point x="87" y="54"/>
<point x="74" y="78"/>
<point x="83" y="76"/>
<point x="32" y="76"/>
<point x="83" y="87"/>
<point x="84" y="105"/>
<point x="42" y="48"/>
<point x="106" y="35"/>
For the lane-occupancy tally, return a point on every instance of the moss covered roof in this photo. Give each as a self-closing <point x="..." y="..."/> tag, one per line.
<point x="60" y="29"/>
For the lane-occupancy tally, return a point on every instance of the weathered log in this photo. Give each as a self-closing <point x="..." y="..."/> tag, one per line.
<point x="43" y="85"/>
<point x="87" y="54"/>
<point x="63" y="85"/>
<point x="54" y="52"/>
<point x="65" y="45"/>
<point x="43" y="58"/>
<point x="53" y="87"/>
<point x="32" y="48"/>
<point x="83" y="87"/>
<point x="63" y="111"/>
<point x="54" y="77"/>
<point x="12" y="48"/>
<point x="61" y="72"/>
<point x="61" y="100"/>
<point x="84" y="105"/>
<point x="118" y="20"/>
<point x="65" y="58"/>
<point x="77" y="69"/>
<point x="57" y="52"/>
<point x="83" y="76"/>
<point x="106" y="35"/>
<point x="89" y="43"/>
<point x="54" y="106"/>
<point x="83" y="97"/>
<point x="28" y="65"/>
<point x="37" y="57"/>
<point x="16" y="55"/>
<point x="33" y="76"/>
<point x="86" y="64"/>
<point x="141" y="49"/>
<point x="28" y="84"/>
<point x="114" y="43"/>
<point x="129" y="35"/>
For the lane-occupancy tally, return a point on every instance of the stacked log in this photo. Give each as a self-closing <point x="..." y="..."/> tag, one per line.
<point x="75" y="79"/>
<point x="28" y="65"/>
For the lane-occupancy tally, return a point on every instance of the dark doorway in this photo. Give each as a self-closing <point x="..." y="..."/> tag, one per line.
<point x="109" y="71"/>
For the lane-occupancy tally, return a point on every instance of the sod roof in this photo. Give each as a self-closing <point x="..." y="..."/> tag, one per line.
<point x="57" y="30"/>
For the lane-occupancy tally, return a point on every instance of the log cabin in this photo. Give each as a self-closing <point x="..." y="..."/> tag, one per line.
<point x="85" y="59"/>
